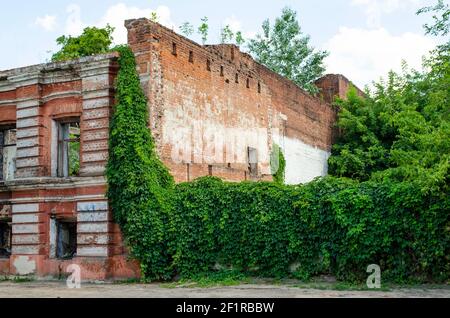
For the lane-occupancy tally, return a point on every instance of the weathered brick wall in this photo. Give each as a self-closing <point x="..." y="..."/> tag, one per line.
<point x="200" y="92"/>
<point x="34" y="98"/>
<point x="335" y="85"/>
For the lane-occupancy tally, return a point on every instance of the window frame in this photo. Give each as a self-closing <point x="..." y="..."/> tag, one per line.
<point x="8" y="223"/>
<point x="252" y="164"/>
<point x="58" y="249"/>
<point x="3" y="131"/>
<point x="63" y="141"/>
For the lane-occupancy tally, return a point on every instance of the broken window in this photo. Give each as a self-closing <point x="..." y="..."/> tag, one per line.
<point x="5" y="238"/>
<point x="252" y="161"/>
<point x="7" y="153"/>
<point x="66" y="239"/>
<point x="68" y="149"/>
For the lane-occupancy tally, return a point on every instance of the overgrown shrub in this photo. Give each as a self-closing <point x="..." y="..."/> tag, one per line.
<point x="330" y="226"/>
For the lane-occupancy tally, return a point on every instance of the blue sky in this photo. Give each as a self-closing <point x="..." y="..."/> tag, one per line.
<point x="366" y="38"/>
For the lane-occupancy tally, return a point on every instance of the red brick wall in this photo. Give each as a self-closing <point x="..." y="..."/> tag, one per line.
<point x="187" y="93"/>
<point x="32" y="98"/>
<point x="335" y="85"/>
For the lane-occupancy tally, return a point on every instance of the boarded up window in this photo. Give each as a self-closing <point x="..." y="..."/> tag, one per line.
<point x="66" y="239"/>
<point x="5" y="238"/>
<point x="7" y="153"/>
<point x="68" y="149"/>
<point x="252" y="161"/>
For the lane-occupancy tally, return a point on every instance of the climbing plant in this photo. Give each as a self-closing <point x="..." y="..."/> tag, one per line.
<point x="277" y="164"/>
<point x="138" y="183"/>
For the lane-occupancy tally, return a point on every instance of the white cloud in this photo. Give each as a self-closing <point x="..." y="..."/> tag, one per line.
<point x="374" y="9"/>
<point x="117" y="14"/>
<point x="47" y="22"/>
<point x="236" y="25"/>
<point x="366" y="55"/>
<point x="74" y="25"/>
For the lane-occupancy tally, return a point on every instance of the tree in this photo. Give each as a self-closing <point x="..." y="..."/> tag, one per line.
<point x="203" y="29"/>
<point x="91" y="42"/>
<point x="441" y="24"/>
<point x="226" y="35"/>
<point x="154" y="17"/>
<point x="239" y="38"/>
<point x="284" y="49"/>
<point x="187" y="29"/>
<point x="400" y="132"/>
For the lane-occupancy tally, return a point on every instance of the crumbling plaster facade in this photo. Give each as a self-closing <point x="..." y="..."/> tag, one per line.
<point x="212" y="110"/>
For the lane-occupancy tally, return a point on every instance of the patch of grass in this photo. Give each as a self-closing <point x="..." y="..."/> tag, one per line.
<point x="22" y="279"/>
<point x="234" y="278"/>
<point x="129" y="281"/>
<point x="209" y="280"/>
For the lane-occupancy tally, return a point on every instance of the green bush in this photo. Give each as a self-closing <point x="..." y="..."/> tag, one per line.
<point x="330" y="226"/>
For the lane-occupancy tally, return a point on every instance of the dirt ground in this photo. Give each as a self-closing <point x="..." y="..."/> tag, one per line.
<point x="39" y="289"/>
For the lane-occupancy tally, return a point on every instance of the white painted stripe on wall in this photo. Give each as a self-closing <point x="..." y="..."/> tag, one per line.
<point x="25" y="218"/>
<point x="28" y="112"/>
<point x="26" y="133"/>
<point x="92" y="251"/>
<point x="92" y="206"/>
<point x="30" y="102"/>
<point x="25" y="208"/>
<point x="28" y="152"/>
<point x="25" y="229"/>
<point x="92" y="228"/>
<point x="27" y="162"/>
<point x="30" y="142"/>
<point x="25" y="239"/>
<point x="92" y="217"/>
<point x="30" y="122"/>
<point x="25" y="250"/>
<point x="88" y="239"/>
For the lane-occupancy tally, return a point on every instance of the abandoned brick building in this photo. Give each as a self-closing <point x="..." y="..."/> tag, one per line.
<point x="214" y="111"/>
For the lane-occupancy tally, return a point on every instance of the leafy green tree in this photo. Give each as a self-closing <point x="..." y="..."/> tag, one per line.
<point x="187" y="29"/>
<point x="203" y="29"/>
<point x="284" y="49"/>
<point x="239" y="38"/>
<point x="154" y="17"/>
<point x="441" y="18"/>
<point x="400" y="131"/>
<point x="91" y="42"/>
<point x="226" y="35"/>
